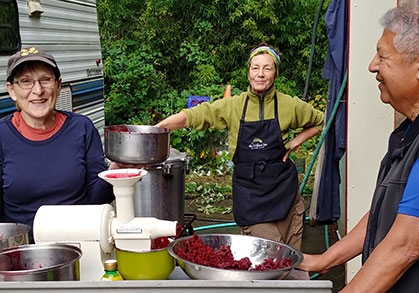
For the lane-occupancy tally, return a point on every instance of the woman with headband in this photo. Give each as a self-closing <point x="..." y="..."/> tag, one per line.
<point x="266" y="202"/>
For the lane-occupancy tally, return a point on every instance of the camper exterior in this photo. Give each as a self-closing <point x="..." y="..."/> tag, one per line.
<point x="67" y="29"/>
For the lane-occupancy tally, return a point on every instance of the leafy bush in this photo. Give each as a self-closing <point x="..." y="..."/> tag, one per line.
<point x="208" y="196"/>
<point x="134" y="79"/>
<point x="206" y="148"/>
<point x="157" y="52"/>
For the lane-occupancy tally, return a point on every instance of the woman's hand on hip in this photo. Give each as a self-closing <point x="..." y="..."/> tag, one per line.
<point x="288" y="153"/>
<point x="300" y="139"/>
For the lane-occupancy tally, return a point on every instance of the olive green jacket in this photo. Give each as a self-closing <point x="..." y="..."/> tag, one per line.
<point x="293" y="113"/>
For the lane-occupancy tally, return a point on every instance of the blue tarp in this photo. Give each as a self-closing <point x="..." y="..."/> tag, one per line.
<point x="328" y="202"/>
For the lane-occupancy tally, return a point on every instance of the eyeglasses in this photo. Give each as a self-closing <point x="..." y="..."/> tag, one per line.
<point x="28" y="84"/>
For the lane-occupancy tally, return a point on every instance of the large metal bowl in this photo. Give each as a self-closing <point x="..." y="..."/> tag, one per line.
<point x="255" y="248"/>
<point x="13" y="234"/>
<point x="137" y="144"/>
<point x="156" y="264"/>
<point x="35" y="262"/>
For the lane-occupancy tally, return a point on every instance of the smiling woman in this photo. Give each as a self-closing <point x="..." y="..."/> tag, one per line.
<point x="34" y="83"/>
<point x="262" y="73"/>
<point x="52" y="144"/>
<point x="35" y="89"/>
<point x="266" y="202"/>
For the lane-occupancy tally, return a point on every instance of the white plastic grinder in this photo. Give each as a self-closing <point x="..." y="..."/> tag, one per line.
<point x="97" y="230"/>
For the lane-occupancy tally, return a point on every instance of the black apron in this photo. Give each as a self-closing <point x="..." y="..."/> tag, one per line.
<point x="264" y="187"/>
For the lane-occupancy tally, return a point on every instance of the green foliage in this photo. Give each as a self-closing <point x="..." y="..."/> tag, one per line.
<point x="307" y="190"/>
<point x="134" y="79"/>
<point x="209" y="196"/>
<point x="307" y="148"/>
<point x="213" y="209"/>
<point x="158" y="52"/>
<point x="319" y="102"/>
<point x="205" y="147"/>
<point x="197" y="43"/>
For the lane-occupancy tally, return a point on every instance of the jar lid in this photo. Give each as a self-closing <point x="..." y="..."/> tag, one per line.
<point x="110" y="265"/>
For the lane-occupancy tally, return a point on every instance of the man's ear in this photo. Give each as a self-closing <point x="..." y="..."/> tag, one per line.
<point x="11" y="90"/>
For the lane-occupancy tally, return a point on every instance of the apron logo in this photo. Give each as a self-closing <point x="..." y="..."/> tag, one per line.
<point x="257" y="144"/>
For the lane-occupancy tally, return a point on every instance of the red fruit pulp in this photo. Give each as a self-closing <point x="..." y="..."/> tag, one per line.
<point x="123" y="175"/>
<point x="197" y="252"/>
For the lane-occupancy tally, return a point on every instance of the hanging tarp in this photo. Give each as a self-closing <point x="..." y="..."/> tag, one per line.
<point x="328" y="202"/>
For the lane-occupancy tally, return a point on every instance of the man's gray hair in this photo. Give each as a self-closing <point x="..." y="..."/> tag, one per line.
<point x="404" y="22"/>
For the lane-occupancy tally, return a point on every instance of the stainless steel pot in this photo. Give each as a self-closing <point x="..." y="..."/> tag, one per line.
<point x="161" y="192"/>
<point x="13" y="234"/>
<point x="137" y="144"/>
<point x="34" y="262"/>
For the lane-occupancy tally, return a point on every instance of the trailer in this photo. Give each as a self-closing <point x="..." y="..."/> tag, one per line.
<point x="68" y="29"/>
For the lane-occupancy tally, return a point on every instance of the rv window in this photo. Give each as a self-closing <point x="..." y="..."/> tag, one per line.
<point x="9" y="27"/>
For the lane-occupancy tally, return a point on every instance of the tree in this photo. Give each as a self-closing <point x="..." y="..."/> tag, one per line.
<point x="157" y="52"/>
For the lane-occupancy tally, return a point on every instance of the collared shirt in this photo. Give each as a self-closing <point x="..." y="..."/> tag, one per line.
<point x="409" y="204"/>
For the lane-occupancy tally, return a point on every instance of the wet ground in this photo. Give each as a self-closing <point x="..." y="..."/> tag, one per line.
<point x="314" y="240"/>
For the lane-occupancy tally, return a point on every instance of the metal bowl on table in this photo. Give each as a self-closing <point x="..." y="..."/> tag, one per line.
<point x="156" y="264"/>
<point x="36" y="262"/>
<point x="13" y="234"/>
<point x="137" y="144"/>
<point x="255" y="248"/>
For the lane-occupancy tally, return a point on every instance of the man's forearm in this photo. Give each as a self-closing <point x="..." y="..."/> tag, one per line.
<point x="350" y="246"/>
<point x="390" y="259"/>
<point x="342" y="251"/>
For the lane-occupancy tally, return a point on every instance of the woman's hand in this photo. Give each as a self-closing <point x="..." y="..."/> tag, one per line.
<point x="300" y="139"/>
<point x="175" y="121"/>
<point x="293" y="145"/>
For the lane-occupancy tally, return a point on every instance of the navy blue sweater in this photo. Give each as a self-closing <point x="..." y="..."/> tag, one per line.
<point x="62" y="169"/>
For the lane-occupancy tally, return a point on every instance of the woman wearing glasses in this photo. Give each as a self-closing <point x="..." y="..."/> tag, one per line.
<point x="46" y="156"/>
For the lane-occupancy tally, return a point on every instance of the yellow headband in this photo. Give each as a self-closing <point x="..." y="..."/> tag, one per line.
<point x="268" y="50"/>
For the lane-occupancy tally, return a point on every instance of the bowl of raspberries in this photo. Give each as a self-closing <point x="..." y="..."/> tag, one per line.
<point x="234" y="257"/>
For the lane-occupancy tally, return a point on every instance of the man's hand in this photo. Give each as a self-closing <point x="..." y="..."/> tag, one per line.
<point x="314" y="263"/>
